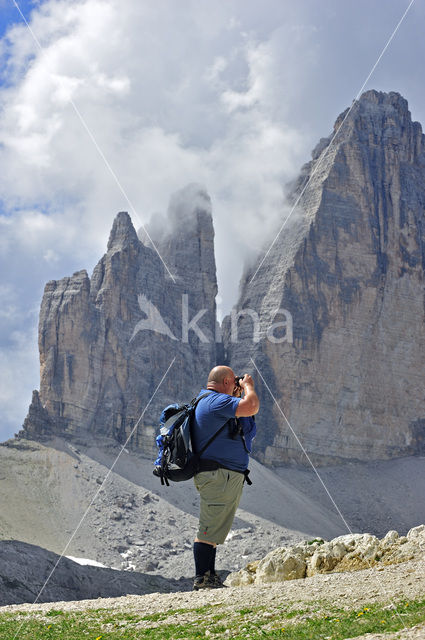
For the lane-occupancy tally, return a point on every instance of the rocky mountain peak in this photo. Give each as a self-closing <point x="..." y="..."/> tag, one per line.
<point x="184" y="238"/>
<point x="122" y="233"/>
<point x="349" y="269"/>
<point x="377" y="118"/>
<point x="380" y="118"/>
<point x="105" y="340"/>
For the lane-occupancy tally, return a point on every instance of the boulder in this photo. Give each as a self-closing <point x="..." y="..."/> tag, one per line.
<point x="346" y="553"/>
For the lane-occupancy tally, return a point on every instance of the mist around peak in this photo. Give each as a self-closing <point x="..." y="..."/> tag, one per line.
<point x="185" y="207"/>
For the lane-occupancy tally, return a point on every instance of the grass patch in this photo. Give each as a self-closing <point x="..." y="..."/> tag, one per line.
<point x="206" y="608"/>
<point x="250" y="610"/>
<point x="256" y="622"/>
<point x="294" y="613"/>
<point x="340" y="624"/>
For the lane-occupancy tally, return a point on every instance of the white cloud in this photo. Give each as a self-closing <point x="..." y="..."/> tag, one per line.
<point x="9" y="303"/>
<point x="51" y="256"/>
<point x="213" y="72"/>
<point x="19" y="374"/>
<point x="157" y="113"/>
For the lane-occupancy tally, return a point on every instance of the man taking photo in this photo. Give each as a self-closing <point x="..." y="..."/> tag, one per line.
<point x="224" y="464"/>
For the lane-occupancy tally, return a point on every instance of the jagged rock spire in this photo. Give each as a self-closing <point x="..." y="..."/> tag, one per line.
<point x="100" y="362"/>
<point x="122" y="233"/>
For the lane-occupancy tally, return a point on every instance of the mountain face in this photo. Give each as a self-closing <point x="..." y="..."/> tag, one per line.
<point x="337" y="305"/>
<point x="106" y="342"/>
<point x="348" y="270"/>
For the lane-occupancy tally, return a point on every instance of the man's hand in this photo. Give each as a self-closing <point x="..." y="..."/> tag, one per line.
<point x="246" y="381"/>
<point x="250" y="404"/>
<point x="237" y="391"/>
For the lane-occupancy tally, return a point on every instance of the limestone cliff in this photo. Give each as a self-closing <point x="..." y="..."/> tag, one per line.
<point x="349" y="268"/>
<point x="106" y="341"/>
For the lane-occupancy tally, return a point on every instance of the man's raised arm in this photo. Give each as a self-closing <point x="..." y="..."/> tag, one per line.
<point x="250" y="404"/>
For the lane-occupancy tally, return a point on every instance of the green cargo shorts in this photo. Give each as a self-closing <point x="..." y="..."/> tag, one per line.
<point x="220" y="491"/>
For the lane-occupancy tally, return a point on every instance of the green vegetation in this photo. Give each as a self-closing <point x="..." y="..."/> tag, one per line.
<point x="212" y="620"/>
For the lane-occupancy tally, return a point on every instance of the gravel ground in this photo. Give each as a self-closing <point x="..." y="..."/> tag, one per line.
<point x="126" y="520"/>
<point x="353" y="590"/>
<point x="415" y="633"/>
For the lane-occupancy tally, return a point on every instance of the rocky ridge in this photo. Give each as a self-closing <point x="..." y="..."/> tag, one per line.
<point x="28" y="571"/>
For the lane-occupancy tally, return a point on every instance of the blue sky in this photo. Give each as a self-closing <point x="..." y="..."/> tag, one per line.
<point x="10" y="14"/>
<point x="233" y="94"/>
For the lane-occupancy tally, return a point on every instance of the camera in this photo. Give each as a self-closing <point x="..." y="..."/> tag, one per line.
<point x="237" y="380"/>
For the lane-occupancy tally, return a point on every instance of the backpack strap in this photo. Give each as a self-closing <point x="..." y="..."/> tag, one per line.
<point x="195" y="401"/>
<point x="213" y="437"/>
<point x="247" y="478"/>
<point x="242" y="435"/>
<point x="163" y="477"/>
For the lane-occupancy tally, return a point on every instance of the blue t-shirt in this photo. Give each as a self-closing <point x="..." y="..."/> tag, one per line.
<point x="211" y="413"/>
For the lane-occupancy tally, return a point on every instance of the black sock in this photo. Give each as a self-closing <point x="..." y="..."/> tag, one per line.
<point x="212" y="561"/>
<point x="202" y="553"/>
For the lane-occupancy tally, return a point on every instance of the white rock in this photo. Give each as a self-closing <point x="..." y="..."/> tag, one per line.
<point x="390" y="537"/>
<point x="278" y="566"/>
<point x="417" y="534"/>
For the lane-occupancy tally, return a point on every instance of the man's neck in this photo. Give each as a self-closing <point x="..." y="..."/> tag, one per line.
<point x="217" y="390"/>
<point x="213" y="388"/>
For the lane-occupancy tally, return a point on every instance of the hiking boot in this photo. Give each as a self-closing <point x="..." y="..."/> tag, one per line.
<point x="208" y="581"/>
<point x="217" y="581"/>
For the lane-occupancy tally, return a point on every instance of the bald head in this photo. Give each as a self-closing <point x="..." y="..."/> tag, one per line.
<point x="221" y="379"/>
<point x="219" y="373"/>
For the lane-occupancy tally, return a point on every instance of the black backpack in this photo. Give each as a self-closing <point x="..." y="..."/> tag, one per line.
<point x="176" y="461"/>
